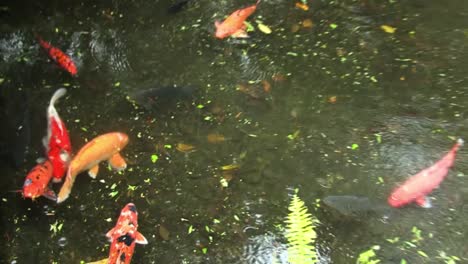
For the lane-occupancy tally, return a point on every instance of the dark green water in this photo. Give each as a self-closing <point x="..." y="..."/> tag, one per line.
<point x="400" y="97"/>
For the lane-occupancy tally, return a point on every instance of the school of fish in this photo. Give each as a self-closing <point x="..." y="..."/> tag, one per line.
<point x="60" y="161"/>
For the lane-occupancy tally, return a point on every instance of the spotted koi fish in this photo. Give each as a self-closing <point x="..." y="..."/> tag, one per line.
<point x="37" y="181"/>
<point x="123" y="237"/>
<point x="62" y="59"/>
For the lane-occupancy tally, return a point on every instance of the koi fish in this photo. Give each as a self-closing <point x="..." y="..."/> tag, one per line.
<point x="418" y="186"/>
<point x="62" y="59"/>
<point x="57" y="142"/>
<point x="37" y="180"/>
<point x="233" y="25"/>
<point x="101" y="148"/>
<point x="123" y="237"/>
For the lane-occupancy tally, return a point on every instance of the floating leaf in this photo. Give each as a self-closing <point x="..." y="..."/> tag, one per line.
<point x="249" y="26"/>
<point x="230" y="167"/>
<point x="307" y="23"/>
<point x="302" y="6"/>
<point x="154" y="158"/>
<point x="354" y="146"/>
<point x="332" y="99"/>
<point x="215" y="138"/>
<point x="264" y="28"/>
<point x="388" y="29"/>
<point x="185" y="147"/>
<point x="333" y="25"/>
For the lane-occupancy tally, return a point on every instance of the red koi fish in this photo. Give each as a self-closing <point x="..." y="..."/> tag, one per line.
<point x="101" y="148"/>
<point x="37" y="180"/>
<point x="234" y="25"/>
<point x="123" y="237"/>
<point x="62" y="59"/>
<point x="418" y="186"/>
<point x="57" y="142"/>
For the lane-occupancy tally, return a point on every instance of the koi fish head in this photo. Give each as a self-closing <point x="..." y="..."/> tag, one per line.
<point x="36" y="181"/>
<point x="123" y="141"/>
<point x="221" y="31"/>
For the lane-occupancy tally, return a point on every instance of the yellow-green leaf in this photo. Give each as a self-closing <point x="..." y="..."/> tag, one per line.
<point x="264" y="28"/>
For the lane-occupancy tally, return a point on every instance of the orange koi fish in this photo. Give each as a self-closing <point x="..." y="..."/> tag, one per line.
<point x="57" y="142"/>
<point x="418" y="186"/>
<point x="234" y="25"/>
<point x="123" y="237"/>
<point x="62" y="59"/>
<point x="37" y="180"/>
<point x="101" y="148"/>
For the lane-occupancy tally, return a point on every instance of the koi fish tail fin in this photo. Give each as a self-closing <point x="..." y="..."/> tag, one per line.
<point x="43" y="43"/>
<point x="67" y="186"/>
<point x="57" y="95"/>
<point x="51" y="111"/>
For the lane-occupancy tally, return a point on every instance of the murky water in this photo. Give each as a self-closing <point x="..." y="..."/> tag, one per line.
<point x="399" y="97"/>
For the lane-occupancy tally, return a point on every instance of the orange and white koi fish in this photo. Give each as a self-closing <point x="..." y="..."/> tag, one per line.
<point x="123" y="237"/>
<point x="37" y="181"/>
<point x="57" y="142"/>
<point x="418" y="186"/>
<point x="101" y="148"/>
<point x="234" y="25"/>
<point x="62" y="59"/>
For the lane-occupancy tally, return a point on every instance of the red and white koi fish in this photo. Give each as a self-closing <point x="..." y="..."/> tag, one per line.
<point x="234" y="25"/>
<point x="37" y="180"/>
<point x="123" y="237"/>
<point x="62" y="59"/>
<point x="418" y="186"/>
<point x="101" y="148"/>
<point x="57" y="142"/>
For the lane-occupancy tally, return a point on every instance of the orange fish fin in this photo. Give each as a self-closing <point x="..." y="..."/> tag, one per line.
<point x="93" y="172"/>
<point x="117" y="162"/>
<point x="110" y="233"/>
<point x="217" y="23"/>
<point x="424" y="202"/>
<point x="240" y="33"/>
<point x="49" y="194"/>
<point x="140" y="239"/>
<point x="67" y="186"/>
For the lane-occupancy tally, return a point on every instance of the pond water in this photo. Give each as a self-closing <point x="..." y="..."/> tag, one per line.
<point x="329" y="103"/>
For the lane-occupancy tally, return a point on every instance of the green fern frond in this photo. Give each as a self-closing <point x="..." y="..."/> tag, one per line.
<point x="300" y="233"/>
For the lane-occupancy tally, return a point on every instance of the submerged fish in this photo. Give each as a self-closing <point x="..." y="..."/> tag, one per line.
<point x="37" y="181"/>
<point x="63" y="60"/>
<point x="123" y="237"/>
<point x="424" y="182"/>
<point x="153" y="97"/>
<point x="104" y="147"/>
<point x="355" y="206"/>
<point x="177" y="6"/>
<point x="57" y="141"/>
<point x="234" y="25"/>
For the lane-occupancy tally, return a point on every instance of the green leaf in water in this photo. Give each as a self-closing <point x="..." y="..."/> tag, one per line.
<point x="154" y="158"/>
<point x="117" y="84"/>
<point x="333" y="25"/>
<point x="249" y="26"/>
<point x="354" y="146"/>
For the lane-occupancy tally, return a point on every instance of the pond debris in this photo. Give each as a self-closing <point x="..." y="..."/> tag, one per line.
<point x="164" y="232"/>
<point x="263" y="28"/>
<point x="302" y="6"/>
<point x="307" y="23"/>
<point x="186" y="148"/>
<point x="388" y="29"/>
<point x="332" y="99"/>
<point x="215" y="138"/>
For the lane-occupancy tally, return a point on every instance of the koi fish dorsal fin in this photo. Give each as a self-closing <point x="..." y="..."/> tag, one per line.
<point x="140" y="239"/>
<point x="57" y="95"/>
